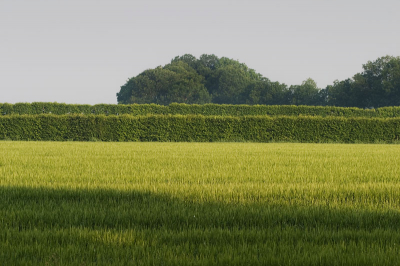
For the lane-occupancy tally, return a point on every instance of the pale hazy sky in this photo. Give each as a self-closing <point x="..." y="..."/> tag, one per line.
<point x="82" y="51"/>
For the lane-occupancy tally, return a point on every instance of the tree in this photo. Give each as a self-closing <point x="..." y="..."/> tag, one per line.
<point x="380" y="81"/>
<point x="189" y="59"/>
<point x="305" y="94"/>
<point x="391" y="81"/>
<point x="226" y="81"/>
<point x="231" y="82"/>
<point x="378" y="85"/>
<point x="176" y="82"/>
<point x="341" y="93"/>
<point x="187" y="86"/>
<point x="267" y="92"/>
<point x="124" y="95"/>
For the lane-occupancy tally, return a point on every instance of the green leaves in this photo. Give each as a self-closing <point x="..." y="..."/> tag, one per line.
<point x="204" y="109"/>
<point x="199" y="128"/>
<point x="210" y="79"/>
<point x="175" y="82"/>
<point x="190" y="80"/>
<point x="377" y="86"/>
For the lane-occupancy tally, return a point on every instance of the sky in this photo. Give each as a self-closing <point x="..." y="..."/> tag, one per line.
<point x="83" y="51"/>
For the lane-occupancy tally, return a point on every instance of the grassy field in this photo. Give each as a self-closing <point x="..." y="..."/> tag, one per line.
<point x="98" y="203"/>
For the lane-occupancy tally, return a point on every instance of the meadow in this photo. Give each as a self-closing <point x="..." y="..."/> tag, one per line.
<point x="110" y="203"/>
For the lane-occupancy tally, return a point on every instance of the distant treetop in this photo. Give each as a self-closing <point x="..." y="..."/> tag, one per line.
<point x="210" y="79"/>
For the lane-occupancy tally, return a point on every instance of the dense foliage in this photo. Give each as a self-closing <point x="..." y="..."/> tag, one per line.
<point x="210" y="79"/>
<point x="185" y="109"/>
<point x="199" y="128"/>
<point x="378" y="85"/>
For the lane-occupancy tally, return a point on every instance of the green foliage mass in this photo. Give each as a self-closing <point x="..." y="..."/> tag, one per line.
<point x="196" y="109"/>
<point x="210" y="79"/>
<point x="199" y="128"/>
<point x="378" y="85"/>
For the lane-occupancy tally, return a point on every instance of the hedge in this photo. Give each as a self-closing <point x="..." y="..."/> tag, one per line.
<point x="185" y="109"/>
<point x="199" y="128"/>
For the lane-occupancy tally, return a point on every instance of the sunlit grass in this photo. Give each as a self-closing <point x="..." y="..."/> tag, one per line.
<point x="199" y="203"/>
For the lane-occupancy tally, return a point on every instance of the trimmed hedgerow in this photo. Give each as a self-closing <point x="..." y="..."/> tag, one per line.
<point x="195" y="109"/>
<point x="199" y="128"/>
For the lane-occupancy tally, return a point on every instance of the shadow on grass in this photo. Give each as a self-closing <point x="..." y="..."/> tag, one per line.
<point x="102" y="208"/>
<point x="174" y="230"/>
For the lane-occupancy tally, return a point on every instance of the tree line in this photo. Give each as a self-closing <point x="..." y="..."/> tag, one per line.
<point x="211" y="79"/>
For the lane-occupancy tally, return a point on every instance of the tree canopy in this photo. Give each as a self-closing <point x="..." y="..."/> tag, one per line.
<point x="377" y="86"/>
<point x="210" y="79"/>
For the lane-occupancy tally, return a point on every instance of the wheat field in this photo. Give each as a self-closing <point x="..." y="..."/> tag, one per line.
<point x="108" y="203"/>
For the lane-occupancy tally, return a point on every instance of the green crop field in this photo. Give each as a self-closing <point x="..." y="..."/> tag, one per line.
<point x="99" y="203"/>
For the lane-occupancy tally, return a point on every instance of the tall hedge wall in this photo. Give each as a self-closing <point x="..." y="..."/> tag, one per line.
<point x="199" y="128"/>
<point x="184" y="109"/>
